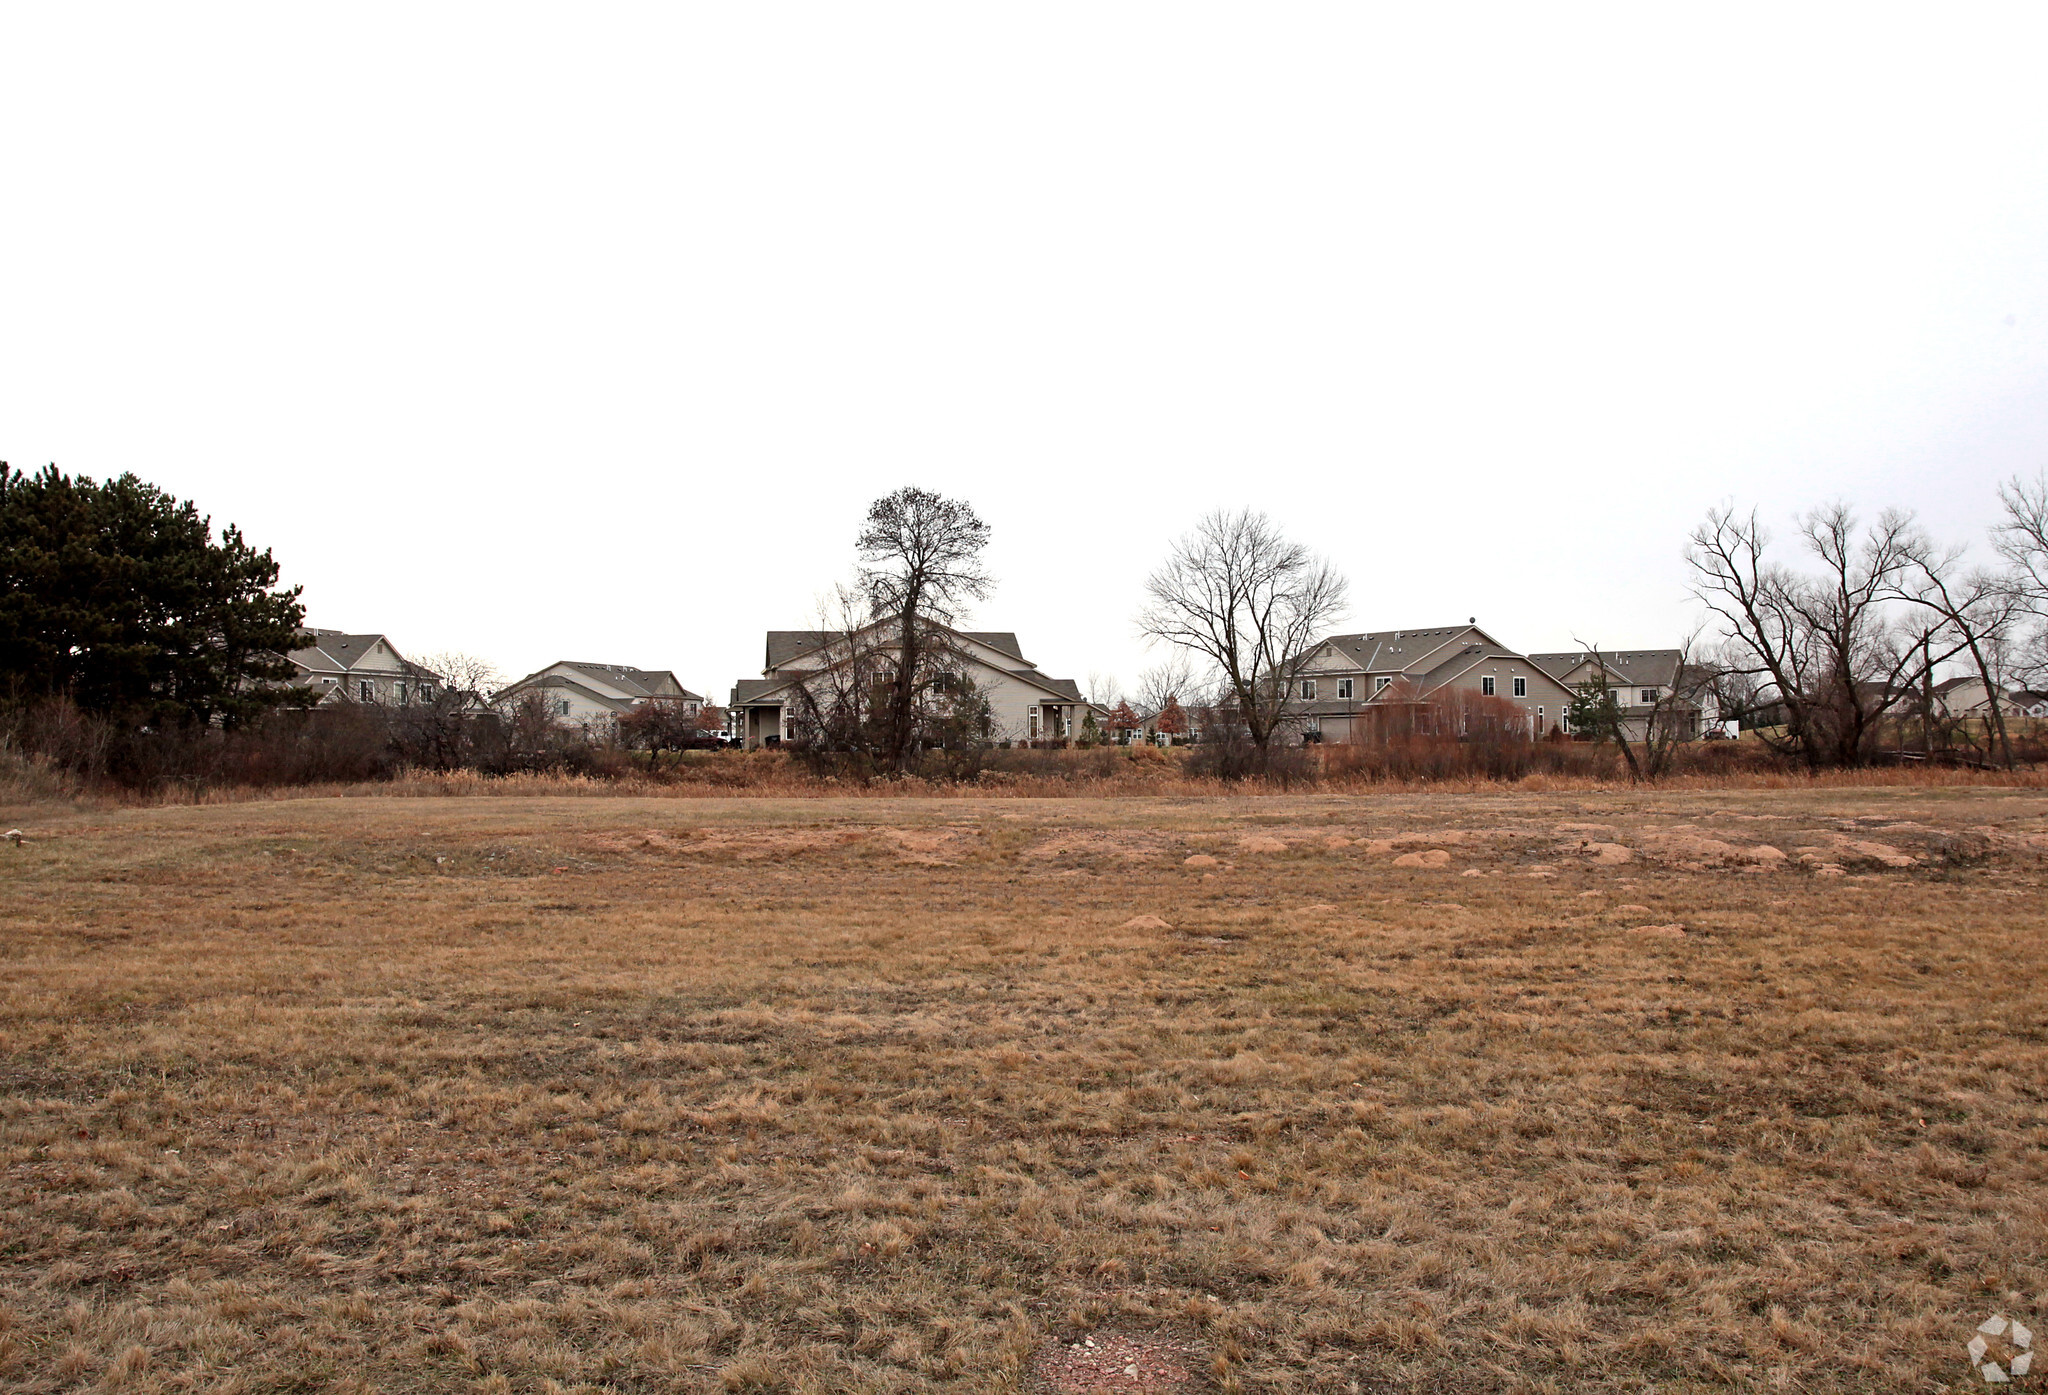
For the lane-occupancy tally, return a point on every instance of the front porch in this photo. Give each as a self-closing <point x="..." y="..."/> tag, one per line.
<point x="761" y="724"/>
<point x="1053" y="721"/>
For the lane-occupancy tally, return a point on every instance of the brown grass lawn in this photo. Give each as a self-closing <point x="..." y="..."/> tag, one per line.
<point x="1671" y="1091"/>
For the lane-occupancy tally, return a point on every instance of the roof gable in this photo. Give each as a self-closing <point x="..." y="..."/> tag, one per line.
<point x="334" y="651"/>
<point x="1626" y="667"/>
<point x="786" y="646"/>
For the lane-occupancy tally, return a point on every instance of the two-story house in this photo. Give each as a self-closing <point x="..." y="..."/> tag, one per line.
<point x="1024" y="704"/>
<point x="1644" y="683"/>
<point x="1351" y="687"/>
<point x="360" y="668"/>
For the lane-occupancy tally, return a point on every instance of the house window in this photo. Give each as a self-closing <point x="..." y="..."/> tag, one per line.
<point x="1380" y="685"/>
<point x="366" y="690"/>
<point x="327" y="682"/>
<point x="1522" y="689"/>
<point x="426" y="692"/>
<point x="1343" y="687"/>
<point x="1647" y="695"/>
<point x="1539" y="709"/>
<point x="561" y="707"/>
<point x="1308" y="689"/>
<point x="401" y="694"/>
<point x="1486" y="685"/>
<point x="1031" y="723"/>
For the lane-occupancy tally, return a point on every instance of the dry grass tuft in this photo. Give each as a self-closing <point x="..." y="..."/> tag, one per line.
<point x="588" y="1094"/>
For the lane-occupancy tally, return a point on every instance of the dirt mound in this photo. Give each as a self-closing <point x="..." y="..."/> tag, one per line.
<point x="1666" y="931"/>
<point x="1145" y="922"/>
<point x="1260" y="843"/>
<point x="1435" y="857"/>
<point x="1199" y="860"/>
<point x="1683" y="847"/>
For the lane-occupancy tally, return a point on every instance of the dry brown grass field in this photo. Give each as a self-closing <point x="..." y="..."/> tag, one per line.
<point x="1539" y="1091"/>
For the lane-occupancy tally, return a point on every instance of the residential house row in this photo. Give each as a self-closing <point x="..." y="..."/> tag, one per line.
<point x="1351" y="687"/>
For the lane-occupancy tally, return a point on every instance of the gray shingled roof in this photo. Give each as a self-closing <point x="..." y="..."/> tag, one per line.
<point x="333" y="649"/>
<point x="634" y="682"/>
<point x="747" y="689"/>
<point x="784" y="645"/>
<point x="1390" y="651"/>
<point x="639" y="682"/>
<point x="336" y="651"/>
<point x="1648" y="668"/>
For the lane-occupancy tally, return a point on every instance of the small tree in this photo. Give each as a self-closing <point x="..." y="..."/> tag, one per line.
<point x="1123" y="722"/>
<point x="1252" y="604"/>
<point x="1647" y="752"/>
<point x="1172" y="720"/>
<point x="661" y="724"/>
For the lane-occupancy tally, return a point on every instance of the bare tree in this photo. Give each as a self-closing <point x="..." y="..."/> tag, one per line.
<point x="437" y="730"/>
<point x="1828" y="652"/>
<point x="921" y="562"/>
<point x="466" y="675"/>
<point x="1976" y="613"/>
<point x="1104" y="690"/>
<point x="1172" y="680"/>
<point x="1250" y="603"/>
<point x="2022" y="540"/>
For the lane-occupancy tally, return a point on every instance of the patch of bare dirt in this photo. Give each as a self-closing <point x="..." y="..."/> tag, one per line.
<point x="1126" y="1363"/>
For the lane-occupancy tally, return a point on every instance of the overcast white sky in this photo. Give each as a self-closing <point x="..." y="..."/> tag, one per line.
<point x="590" y="332"/>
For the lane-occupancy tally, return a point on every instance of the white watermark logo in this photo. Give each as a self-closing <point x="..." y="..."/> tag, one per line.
<point x="2000" y="1340"/>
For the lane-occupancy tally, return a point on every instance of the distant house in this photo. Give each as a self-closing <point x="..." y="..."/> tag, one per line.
<point x="591" y="695"/>
<point x="1351" y="686"/>
<point x="1024" y="704"/>
<point x="1642" y="682"/>
<point x="1968" y="697"/>
<point x="2030" y="703"/>
<point x="361" y="668"/>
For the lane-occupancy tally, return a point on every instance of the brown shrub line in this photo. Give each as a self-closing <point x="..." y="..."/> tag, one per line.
<point x="777" y="778"/>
